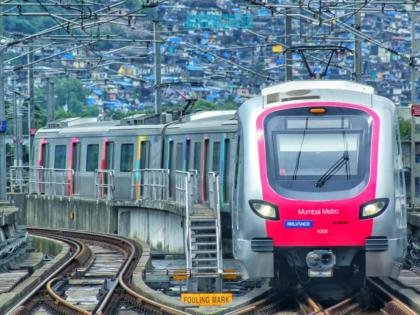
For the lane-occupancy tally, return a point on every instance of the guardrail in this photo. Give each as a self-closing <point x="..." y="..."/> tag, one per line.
<point x="50" y="181"/>
<point x="18" y="179"/>
<point x="215" y="204"/>
<point x="150" y="184"/>
<point x="104" y="184"/>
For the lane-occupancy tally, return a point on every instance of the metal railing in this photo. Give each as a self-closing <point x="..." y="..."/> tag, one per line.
<point x="50" y="181"/>
<point x="18" y="179"/>
<point x="150" y="184"/>
<point x="104" y="184"/>
<point x="194" y="186"/>
<point x="215" y="205"/>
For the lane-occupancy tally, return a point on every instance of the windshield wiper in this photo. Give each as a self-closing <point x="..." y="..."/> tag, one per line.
<point x="300" y="151"/>
<point x="344" y="160"/>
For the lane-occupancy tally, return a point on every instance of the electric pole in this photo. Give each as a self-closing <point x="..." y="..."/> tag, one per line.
<point x="3" y="170"/>
<point x="357" y="49"/>
<point x="31" y="100"/>
<point x="288" y="41"/>
<point x="15" y="132"/>
<point x="415" y="47"/>
<point x="50" y="100"/>
<point x="156" y="37"/>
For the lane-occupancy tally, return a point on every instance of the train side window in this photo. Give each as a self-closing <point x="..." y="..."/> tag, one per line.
<point x="205" y="168"/>
<point x="216" y="156"/>
<point x="226" y="167"/>
<point x="169" y="161"/>
<point x="45" y="154"/>
<point x="76" y="157"/>
<point x="92" y="155"/>
<point x="109" y="156"/>
<point x="126" y="157"/>
<point x="179" y="156"/>
<point x="145" y="155"/>
<point x="60" y="156"/>
<point x="197" y="156"/>
<point x="186" y="165"/>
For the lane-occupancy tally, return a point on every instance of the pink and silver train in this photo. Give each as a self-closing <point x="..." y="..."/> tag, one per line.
<point x="319" y="189"/>
<point x="311" y="175"/>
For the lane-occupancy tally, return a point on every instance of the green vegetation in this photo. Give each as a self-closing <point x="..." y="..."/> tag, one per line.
<point x="405" y="129"/>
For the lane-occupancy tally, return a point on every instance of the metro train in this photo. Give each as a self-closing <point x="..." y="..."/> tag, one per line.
<point x="312" y="183"/>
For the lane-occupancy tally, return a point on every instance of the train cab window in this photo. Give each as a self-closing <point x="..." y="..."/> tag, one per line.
<point x="145" y="155"/>
<point x="60" y="156"/>
<point x="318" y="154"/>
<point x="216" y="156"/>
<point x="197" y="156"/>
<point x="92" y="156"/>
<point x="179" y="156"/>
<point x="126" y="157"/>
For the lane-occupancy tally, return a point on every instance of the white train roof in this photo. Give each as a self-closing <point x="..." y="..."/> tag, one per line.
<point x="295" y="88"/>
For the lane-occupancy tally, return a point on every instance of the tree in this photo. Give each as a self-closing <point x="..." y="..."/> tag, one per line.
<point x="70" y="92"/>
<point x="405" y="129"/>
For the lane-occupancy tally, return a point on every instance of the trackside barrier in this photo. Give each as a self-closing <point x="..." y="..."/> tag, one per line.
<point x="18" y="179"/>
<point x="214" y="204"/>
<point x="104" y="184"/>
<point x="184" y="198"/>
<point x="50" y="181"/>
<point x="150" y="184"/>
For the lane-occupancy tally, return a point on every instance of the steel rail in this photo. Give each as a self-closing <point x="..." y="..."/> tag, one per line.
<point x="125" y="272"/>
<point x="393" y="303"/>
<point x="133" y="253"/>
<point x="59" y="300"/>
<point x="253" y="306"/>
<point x="42" y="284"/>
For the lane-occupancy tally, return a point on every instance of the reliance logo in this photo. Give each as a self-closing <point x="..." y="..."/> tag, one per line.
<point x="302" y="224"/>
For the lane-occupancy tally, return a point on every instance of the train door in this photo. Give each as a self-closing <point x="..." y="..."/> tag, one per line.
<point x="74" y="165"/>
<point x="205" y="170"/>
<point x="43" y="163"/>
<point x="107" y="165"/>
<point x="142" y="162"/>
<point x="224" y="172"/>
<point x="196" y="166"/>
<point x="170" y="165"/>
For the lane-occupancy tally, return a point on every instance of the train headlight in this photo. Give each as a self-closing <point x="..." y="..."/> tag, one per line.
<point x="264" y="209"/>
<point x="373" y="208"/>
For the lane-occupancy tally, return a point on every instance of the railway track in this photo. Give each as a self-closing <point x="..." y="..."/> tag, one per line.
<point x="385" y="304"/>
<point x="120" y="290"/>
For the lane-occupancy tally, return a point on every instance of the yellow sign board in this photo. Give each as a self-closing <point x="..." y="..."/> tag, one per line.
<point x="207" y="299"/>
<point x="277" y="48"/>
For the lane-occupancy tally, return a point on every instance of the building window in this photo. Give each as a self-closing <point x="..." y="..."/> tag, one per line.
<point x="92" y="156"/>
<point x="60" y="157"/>
<point x="417" y="183"/>
<point x="126" y="160"/>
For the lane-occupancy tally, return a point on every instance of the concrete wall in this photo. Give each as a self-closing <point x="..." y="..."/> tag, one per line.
<point x="79" y="214"/>
<point x="162" y="230"/>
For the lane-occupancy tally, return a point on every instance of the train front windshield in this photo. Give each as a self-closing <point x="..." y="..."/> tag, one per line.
<point x="318" y="153"/>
